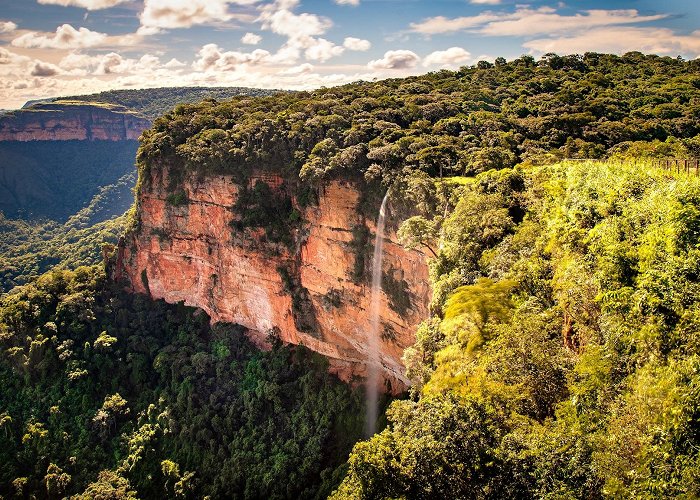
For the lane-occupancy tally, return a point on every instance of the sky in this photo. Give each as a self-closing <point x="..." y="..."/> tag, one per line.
<point x="67" y="47"/>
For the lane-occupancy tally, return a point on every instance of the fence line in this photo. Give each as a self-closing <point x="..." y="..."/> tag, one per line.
<point x="679" y="165"/>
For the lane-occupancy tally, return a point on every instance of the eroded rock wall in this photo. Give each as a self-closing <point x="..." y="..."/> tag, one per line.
<point x="65" y="122"/>
<point x="191" y="253"/>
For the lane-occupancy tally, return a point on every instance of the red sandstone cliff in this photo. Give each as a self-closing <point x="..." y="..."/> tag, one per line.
<point x="69" y="120"/>
<point x="191" y="253"/>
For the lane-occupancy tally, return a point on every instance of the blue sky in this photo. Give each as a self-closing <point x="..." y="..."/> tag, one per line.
<point x="62" y="47"/>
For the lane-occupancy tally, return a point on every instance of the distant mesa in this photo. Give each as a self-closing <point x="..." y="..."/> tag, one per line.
<point x="67" y="120"/>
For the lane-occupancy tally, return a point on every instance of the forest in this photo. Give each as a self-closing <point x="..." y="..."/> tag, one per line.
<point x="105" y="394"/>
<point x="561" y="357"/>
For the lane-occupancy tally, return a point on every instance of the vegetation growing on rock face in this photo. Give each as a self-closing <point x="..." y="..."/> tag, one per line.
<point x="441" y="124"/>
<point x="564" y="357"/>
<point x="110" y="395"/>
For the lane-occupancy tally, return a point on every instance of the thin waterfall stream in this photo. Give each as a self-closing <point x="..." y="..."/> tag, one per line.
<point x="373" y="348"/>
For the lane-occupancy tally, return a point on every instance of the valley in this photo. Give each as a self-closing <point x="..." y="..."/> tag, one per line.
<point x="536" y="307"/>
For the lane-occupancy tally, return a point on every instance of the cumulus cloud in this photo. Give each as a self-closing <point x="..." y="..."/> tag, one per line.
<point x="527" y="21"/>
<point x="44" y="69"/>
<point x="485" y="2"/>
<point x="302" y="32"/>
<point x="251" y="39"/>
<point x="85" y="4"/>
<point x="302" y="69"/>
<point x="621" y="39"/>
<point x="66" y="37"/>
<point x="7" y="26"/>
<point x="395" y="59"/>
<point x="169" y="14"/>
<point x="212" y="58"/>
<point x="454" y="56"/>
<point x="112" y="63"/>
<point x="357" y="44"/>
<point x="348" y="2"/>
<point x="7" y="57"/>
<point x="174" y="64"/>
<point x="322" y="50"/>
<point x="280" y="19"/>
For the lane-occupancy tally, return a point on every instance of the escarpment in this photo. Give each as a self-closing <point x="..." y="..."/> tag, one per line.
<point x="301" y="275"/>
<point x="72" y="120"/>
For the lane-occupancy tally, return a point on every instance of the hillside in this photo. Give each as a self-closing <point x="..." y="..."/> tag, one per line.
<point x="28" y="248"/>
<point x="153" y="103"/>
<point x="55" y="179"/>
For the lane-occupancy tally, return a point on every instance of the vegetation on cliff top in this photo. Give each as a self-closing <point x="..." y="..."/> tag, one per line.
<point x="463" y="122"/>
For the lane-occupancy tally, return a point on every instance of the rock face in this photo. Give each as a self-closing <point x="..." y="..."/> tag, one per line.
<point x="65" y="121"/>
<point x="306" y="296"/>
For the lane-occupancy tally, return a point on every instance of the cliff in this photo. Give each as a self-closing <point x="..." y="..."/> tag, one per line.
<point x="72" y="120"/>
<point x="188" y="248"/>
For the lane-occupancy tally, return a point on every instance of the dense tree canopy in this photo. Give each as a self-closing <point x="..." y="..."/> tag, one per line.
<point x="116" y="396"/>
<point x="563" y="361"/>
<point x="443" y="123"/>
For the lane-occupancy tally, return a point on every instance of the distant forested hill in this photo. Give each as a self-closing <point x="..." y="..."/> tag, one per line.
<point x="155" y="102"/>
<point x="55" y="179"/>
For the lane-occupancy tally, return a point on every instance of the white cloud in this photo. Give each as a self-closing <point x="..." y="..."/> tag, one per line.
<point x="322" y="50"/>
<point x="348" y="2"/>
<point x="212" y="58"/>
<point x="352" y="43"/>
<point x="546" y="21"/>
<point x="66" y="37"/>
<point x="620" y="40"/>
<point x="7" y="57"/>
<point x="279" y="19"/>
<point x="526" y="21"/>
<point x="485" y="2"/>
<point x="169" y="14"/>
<point x="111" y="63"/>
<point x="454" y="56"/>
<point x="251" y="39"/>
<point x="440" y="24"/>
<point x="395" y="59"/>
<point x="7" y="26"/>
<point x="85" y="4"/>
<point x="302" y="32"/>
<point x="302" y="69"/>
<point x="174" y="64"/>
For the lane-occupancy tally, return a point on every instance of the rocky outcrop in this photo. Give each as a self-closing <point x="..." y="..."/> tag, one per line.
<point x="72" y="120"/>
<point x="190" y="252"/>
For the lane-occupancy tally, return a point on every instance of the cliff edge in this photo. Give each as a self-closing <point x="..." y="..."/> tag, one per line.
<point x="72" y="120"/>
<point x="311" y="290"/>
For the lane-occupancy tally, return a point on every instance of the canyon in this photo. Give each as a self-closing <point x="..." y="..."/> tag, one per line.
<point x="190" y="251"/>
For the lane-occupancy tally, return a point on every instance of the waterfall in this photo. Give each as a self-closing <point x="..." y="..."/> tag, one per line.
<point x="373" y="348"/>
